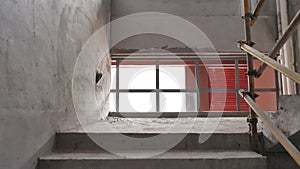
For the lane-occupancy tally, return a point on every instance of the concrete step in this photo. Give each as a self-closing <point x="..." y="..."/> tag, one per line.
<point x="81" y="142"/>
<point x="179" y="159"/>
<point x="175" y="114"/>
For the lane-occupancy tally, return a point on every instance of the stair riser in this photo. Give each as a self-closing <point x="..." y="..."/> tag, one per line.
<point x="155" y="164"/>
<point x="82" y="142"/>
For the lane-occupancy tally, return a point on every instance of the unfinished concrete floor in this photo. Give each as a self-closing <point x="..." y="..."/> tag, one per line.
<point x="169" y="125"/>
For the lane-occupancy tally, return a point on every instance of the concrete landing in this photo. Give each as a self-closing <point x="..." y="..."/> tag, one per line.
<point x="168" y="160"/>
<point x="169" y="125"/>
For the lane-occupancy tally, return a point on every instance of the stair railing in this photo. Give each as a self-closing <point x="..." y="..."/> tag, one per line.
<point x="285" y="142"/>
<point x="270" y="60"/>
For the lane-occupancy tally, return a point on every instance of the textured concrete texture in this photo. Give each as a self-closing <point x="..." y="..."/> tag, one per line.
<point x="227" y="147"/>
<point x="77" y="65"/>
<point x="162" y="125"/>
<point x="39" y="44"/>
<point x="96" y="142"/>
<point x="286" y="119"/>
<point x="169" y="160"/>
<point x="220" y="20"/>
<point x="279" y="160"/>
<point x="170" y="155"/>
<point x="103" y="87"/>
<point x="223" y="134"/>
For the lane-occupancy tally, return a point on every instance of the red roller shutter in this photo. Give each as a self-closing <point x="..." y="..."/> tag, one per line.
<point x="217" y="82"/>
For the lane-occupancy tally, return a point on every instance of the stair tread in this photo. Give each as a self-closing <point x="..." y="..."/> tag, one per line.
<point x="174" y="154"/>
<point x="226" y="125"/>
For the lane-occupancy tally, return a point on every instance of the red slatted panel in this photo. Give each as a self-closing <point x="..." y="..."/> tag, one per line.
<point x="243" y="85"/>
<point x="224" y="78"/>
<point x="243" y="78"/>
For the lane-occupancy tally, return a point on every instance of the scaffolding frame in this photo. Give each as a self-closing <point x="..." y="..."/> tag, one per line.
<point x="270" y="60"/>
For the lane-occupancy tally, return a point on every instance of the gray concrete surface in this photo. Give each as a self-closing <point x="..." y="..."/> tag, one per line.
<point x="220" y="20"/>
<point x="39" y="44"/>
<point x="103" y="87"/>
<point x="169" y="160"/>
<point x="286" y="119"/>
<point x="169" y="155"/>
<point x="93" y="142"/>
<point x="228" y="147"/>
<point x="224" y="133"/>
<point x="280" y="160"/>
<point x="152" y="125"/>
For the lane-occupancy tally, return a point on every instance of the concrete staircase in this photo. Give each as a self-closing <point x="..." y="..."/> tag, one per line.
<point x="220" y="151"/>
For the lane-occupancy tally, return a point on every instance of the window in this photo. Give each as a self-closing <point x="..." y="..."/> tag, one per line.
<point x="160" y="85"/>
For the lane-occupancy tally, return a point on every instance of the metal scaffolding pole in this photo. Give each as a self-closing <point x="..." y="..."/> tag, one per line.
<point x="252" y="119"/>
<point x="279" y="44"/>
<point x="257" y="11"/>
<point x="249" y="96"/>
<point x="284" y="141"/>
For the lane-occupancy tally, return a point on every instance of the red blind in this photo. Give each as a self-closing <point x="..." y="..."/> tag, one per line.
<point x="218" y="77"/>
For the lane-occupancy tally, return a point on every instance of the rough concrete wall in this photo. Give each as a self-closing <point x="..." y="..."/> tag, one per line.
<point x="39" y="43"/>
<point x="220" y="20"/>
<point x="103" y="87"/>
<point x="77" y="26"/>
<point x="286" y="118"/>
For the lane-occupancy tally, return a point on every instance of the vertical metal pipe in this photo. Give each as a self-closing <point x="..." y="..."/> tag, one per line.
<point x="281" y="59"/>
<point x="197" y="74"/>
<point x="297" y="61"/>
<point x="257" y="10"/>
<point x="288" y="53"/>
<point x="157" y="86"/>
<point x="117" y="85"/>
<point x="237" y="84"/>
<point x="277" y="87"/>
<point x="283" y="78"/>
<point x="252" y="119"/>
